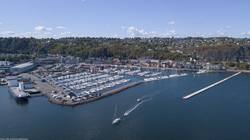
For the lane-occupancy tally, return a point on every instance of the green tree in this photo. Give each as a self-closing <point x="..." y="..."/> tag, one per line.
<point x="207" y="58"/>
<point x="214" y="63"/>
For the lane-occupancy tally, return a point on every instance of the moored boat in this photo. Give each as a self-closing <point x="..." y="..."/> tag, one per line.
<point x="17" y="91"/>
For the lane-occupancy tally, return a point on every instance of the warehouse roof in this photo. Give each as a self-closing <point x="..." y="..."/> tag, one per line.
<point x="23" y="65"/>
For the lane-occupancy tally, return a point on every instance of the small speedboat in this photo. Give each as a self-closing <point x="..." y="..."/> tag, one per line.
<point x="138" y="100"/>
<point x="116" y="121"/>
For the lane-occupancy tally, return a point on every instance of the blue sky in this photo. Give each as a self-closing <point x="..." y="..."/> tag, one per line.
<point x="124" y="18"/>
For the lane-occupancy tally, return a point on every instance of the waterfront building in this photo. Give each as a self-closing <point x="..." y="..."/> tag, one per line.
<point x="214" y="67"/>
<point x="22" y="67"/>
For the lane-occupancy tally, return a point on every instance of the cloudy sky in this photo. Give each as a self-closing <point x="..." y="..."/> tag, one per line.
<point x="124" y="18"/>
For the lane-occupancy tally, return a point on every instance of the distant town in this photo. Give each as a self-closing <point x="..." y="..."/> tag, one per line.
<point x="175" y="48"/>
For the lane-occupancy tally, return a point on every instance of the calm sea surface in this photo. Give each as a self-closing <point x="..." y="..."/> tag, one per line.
<point x="222" y="112"/>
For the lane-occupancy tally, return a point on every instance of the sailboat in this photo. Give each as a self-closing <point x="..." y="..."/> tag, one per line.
<point x="117" y="120"/>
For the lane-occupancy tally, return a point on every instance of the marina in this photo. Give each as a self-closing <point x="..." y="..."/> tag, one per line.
<point x="87" y="87"/>
<point x="72" y="89"/>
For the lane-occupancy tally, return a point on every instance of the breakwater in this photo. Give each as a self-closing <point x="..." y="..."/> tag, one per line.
<point x="199" y="91"/>
<point x="106" y="94"/>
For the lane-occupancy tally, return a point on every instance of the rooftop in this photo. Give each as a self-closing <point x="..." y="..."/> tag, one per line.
<point x="23" y="65"/>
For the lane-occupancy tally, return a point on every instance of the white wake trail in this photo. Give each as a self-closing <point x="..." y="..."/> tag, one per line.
<point x="151" y="97"/>
<point x="130" y="110"/>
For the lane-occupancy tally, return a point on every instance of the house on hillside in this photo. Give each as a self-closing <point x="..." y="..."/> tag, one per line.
<point x="214" y="67"/>
<point x="172" y="51"/>
<point x="116" y="60"/>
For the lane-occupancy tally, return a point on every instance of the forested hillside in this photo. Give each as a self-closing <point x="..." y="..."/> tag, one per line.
<point x="116" y="48"/>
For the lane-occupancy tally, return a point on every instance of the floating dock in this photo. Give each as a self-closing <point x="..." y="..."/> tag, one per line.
<point x="199" y="91"/>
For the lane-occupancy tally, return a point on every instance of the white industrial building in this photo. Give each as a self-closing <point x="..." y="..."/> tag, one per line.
<point x="22" y="67"/>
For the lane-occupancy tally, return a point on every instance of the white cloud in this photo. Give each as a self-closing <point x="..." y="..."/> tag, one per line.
<point x="141" y="33"/>
<point x="66" y="33"/>
<point x="28" y="33"/>
<point x="42" y="36"/>
<point x="47" y="33"/>
<point x="154" y="34"/>
<point x="123" y="27"/>
<point x="116" y="35"/>
<point x="198" y="33"/>
<point x="108" y="24"/>
<point x="210" y="34"/>
<point x="136" y="32"/>
<point x="171" y="33"/>
<point x="83" y="0"/>
<point x="1" y="22"/>
<point x="221" y="33"/>
<point x="60" y="27"/>
<point x="8" y="33"/>
<point x="41" y="28"/>
<point x="229" y="27"/>
<point x="246" y="33"/>
<point x="36" y="32"/>
<point x="170" y="22"/>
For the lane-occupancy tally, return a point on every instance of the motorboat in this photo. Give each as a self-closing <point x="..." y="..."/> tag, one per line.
<point x="117" y="120"/>
<point x="138" y="100"/>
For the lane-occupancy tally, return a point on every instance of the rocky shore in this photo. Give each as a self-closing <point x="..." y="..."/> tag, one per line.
<point x="106" y="94"/>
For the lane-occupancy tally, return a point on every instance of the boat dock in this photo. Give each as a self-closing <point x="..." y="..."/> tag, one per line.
<point x="199" y="91"/>
<point x="162" y="78"/>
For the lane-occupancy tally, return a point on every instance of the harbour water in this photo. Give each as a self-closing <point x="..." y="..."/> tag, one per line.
<point x="221" y="112"/>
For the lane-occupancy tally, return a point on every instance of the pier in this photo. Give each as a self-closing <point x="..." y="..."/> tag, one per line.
<point x="199" y="91"/>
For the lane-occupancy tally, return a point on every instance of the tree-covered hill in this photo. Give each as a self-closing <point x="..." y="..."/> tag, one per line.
<point x="125" y="48"/>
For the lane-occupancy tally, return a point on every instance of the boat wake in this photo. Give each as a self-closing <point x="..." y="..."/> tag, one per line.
<point x="130" y="110"/>
<point x="133" y="108"/>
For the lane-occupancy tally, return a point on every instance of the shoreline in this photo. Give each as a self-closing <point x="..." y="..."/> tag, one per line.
<point x="163" y="68"/>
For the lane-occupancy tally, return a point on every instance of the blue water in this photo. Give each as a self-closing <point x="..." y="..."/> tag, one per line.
<point x="221" y="112"/>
